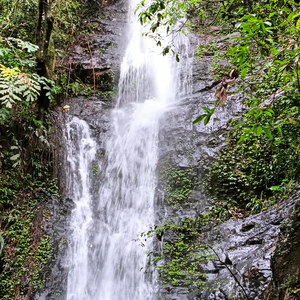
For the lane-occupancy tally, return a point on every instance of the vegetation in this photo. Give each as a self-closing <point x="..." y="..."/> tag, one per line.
<point x="25" y="170"/>
<point x="182" y="252"/>
<point x="179" y="185"/>
<point x="259" y="166"/>
<point x="33" y="34"/>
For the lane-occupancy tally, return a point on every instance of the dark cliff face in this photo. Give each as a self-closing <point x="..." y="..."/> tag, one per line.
<point x="285" y="261"/>
<point x="247" y="244"/>
<point x="107" y="48"/>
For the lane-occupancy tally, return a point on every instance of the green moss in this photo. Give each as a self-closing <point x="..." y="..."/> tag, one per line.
<point x="179" y="185"/>
<point x="202" y="48"/>
<point x="218" y="68"/>
<point x="199" y="52"/>
<point x="257" y="172"/>
<point x="26" y="247"/>
<point x="95" y="170"/>
<point x="182" y="253"/>
<point x="42" y="257"/>
<point x="26" y="251"/>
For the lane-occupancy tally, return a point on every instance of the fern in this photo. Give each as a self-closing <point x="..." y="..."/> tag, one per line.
<point x="31" y="48"/>
<point x="17" y="87"/>
<point x="7" y="72"/>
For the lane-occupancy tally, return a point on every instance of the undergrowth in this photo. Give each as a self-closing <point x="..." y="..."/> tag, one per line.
<point x="26" y="184"/>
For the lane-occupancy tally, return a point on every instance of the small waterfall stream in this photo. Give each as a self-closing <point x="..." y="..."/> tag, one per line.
<point x="105" y="261"/>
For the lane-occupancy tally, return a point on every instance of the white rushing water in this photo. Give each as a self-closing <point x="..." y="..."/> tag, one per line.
<point x="105" y="261"/>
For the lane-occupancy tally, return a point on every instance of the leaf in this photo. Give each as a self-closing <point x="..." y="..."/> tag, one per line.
<point x="241" y="124"/>
<point x="292" y="16"/>
<point x="223" y="95"/>
<point x="206" y="120"/>
<point x="268" y="133"/>
<point x="243" y="137"/>
<point x="177" y="58"/>
<point x="16" y="164"/>
<point x="244" y="73"/>
<point x="279" y="131"/>
<point x="15" y="157"/>
<point x="268" y="113"/>
<point x="199" y="119"/>
<point x="259" y="131"/>
<point x="166" y="51"/>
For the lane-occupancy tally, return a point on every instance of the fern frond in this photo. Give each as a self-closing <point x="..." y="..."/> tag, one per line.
<point x="8" y="72"/>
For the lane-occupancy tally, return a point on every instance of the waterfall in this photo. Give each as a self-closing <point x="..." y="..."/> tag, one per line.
<point x="105" y="260"/>
<point x="81" y="151"/>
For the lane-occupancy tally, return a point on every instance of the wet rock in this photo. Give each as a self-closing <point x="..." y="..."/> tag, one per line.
<point x="248" y="248"/>
<point x="55" y="274"/>
<point x="285" y="260"/>
<point x="107" y="52"/>
<point x="107" y="48"/>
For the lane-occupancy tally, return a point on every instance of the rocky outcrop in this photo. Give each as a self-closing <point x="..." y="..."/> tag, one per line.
<point x="285" y="261"/>
<point x="249" y="251"/>
<point x="258" y="254"/>
<point x="247" y="256"/>
<point x="97" y="56"/>
<point x="107" y="47"/>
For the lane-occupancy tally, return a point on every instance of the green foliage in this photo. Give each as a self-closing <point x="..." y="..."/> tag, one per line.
<point x="26" y="248"/>
<point x="218" y="68"/>
<point x="43" y="255"/>
<point x="263" y="168"/>
<point x="75" y="88"/>
<point x="18" y="19"/>
<point x="199" y="52"/>
<point x="179" y="185"/>
<point x="95" y="170"/>
<point x="292" y="283"/>
<point x="260" y="163"/>
<point x="169" y="14"/>
<point x="17" y="53"/>
<point x="206" y="117"/>
<point x="17" y="88"/>
<point x="182" y="254"/>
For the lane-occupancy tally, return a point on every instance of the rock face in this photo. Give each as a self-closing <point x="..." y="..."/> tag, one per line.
<point x="97" y="57"/>
<point x="245" y="247"/>
<point x="55" y="274"/>
<point x="285" y="261"/>
<point x="107" y="49"/>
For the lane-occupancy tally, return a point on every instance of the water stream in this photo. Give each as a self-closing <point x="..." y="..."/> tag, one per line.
<point x="105" y="261"/>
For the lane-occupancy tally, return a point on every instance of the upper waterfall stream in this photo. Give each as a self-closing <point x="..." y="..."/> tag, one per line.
<point x="105" y="261"/>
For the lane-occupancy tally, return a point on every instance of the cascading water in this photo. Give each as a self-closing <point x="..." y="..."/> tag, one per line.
<point x="81" y="152"/>
<point x="105" y="261"/>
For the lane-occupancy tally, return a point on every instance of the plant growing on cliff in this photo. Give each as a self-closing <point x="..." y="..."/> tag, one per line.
<point x="179" y="185"/>
<point x="182" y="252"/>
<point x="173" y="17"/>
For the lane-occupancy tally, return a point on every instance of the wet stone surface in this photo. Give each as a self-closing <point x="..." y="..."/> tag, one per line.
<point x="107" y="50"/>
<point x="247" y="248"/>
<point x="245" y="245"/>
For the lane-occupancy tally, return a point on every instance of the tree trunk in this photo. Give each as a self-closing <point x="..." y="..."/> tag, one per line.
<point x="43" y="36"/>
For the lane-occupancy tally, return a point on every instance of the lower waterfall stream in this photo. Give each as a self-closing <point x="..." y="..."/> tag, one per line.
<point x="105" y="261"/>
